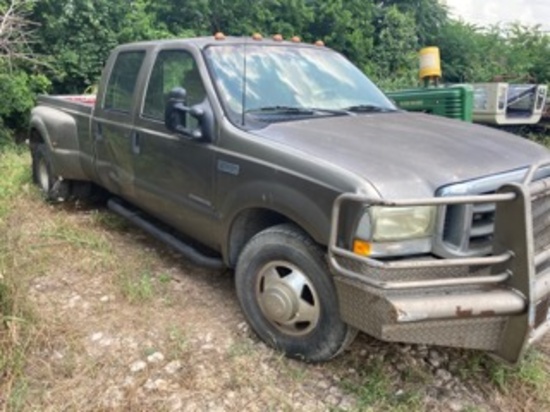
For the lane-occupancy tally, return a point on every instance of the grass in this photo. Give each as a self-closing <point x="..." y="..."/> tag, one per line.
<point x="525" y="387"/>
<point x="541" y="138"/>
<point x="17" y="321"/>
<point x="243" y="347"/>
<point x="138" y="288"/>
<point x="109" y="220"/>
<point x="178" y="344"/>
<point x="532" y="374"/>
<point x="60" y="233"/>
<point x="375" y="390"/>
<point x="15" y="176"/>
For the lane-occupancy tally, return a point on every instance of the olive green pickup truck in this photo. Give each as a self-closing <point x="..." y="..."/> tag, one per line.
<point x="337" y="211"/>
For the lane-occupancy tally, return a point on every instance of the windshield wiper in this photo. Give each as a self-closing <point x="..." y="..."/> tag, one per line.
<point x="368" y="108"/>
<point x="297" y="110"/>
<point x="281" y="109"/>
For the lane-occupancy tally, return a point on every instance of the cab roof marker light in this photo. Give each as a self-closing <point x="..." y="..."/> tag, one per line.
<point x="219" y="36"/>
<point x="257" y="36"/>
<point x="319" y="43"/>
<point x="295" y="39"/>
<point x="277" y="37"/>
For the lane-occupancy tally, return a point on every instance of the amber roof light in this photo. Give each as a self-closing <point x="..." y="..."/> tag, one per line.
<point x="277" y="37"/>
<point x="219" y="36"/>
<point x="319" y="43"/>
<point x="295" y="39"/>
<point x="257" y="36"/>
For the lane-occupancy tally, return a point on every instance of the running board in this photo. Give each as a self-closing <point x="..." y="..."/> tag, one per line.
<point x="186" y="250"/>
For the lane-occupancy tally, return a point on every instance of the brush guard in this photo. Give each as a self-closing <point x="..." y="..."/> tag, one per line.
<point x="498" y="303"/>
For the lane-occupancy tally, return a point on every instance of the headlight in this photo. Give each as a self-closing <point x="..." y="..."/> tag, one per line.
<point x="388" y="224"/>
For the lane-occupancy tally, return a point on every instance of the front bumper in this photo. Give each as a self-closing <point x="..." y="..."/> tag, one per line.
<point x="497" y="303"/>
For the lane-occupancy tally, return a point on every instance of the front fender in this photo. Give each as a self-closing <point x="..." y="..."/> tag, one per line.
<point x="311" y="214"/>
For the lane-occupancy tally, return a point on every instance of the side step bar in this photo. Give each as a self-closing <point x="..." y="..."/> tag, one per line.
<point x="186" y="250"/>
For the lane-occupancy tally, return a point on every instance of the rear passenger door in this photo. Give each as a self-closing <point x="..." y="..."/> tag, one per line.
<point x="174" y="174"/>
<point x="112" y="126"/>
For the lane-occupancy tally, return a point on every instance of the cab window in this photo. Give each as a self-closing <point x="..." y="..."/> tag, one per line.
<point x="122" y="82"/>
<point x="173" y="68"/>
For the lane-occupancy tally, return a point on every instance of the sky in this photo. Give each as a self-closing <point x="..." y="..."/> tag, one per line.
<point x="486" y="12"/>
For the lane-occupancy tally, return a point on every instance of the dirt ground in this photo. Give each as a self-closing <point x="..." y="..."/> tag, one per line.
<point x="127" y="324"/>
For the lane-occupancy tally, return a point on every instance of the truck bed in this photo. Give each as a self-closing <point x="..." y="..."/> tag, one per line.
<point x="80" y="103"/>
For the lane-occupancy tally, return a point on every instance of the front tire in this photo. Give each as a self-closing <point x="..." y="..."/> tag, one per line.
<point x="288" y="296"/>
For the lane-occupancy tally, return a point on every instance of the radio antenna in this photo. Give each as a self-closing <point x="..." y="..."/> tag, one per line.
<point x="243" y="102"/>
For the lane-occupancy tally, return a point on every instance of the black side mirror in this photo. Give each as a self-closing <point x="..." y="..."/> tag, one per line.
<point x="175" y="113"/>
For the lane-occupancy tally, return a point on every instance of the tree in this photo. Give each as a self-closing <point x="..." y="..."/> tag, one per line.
<point x="77" y="36"/>
<point x="346" y="25"/>
<point x="15" y="31"/>
<point x="395" y="51"/>
<point x="430" y="16"/>
<point x="20" y="79"/>
<point x="513" y="53"/>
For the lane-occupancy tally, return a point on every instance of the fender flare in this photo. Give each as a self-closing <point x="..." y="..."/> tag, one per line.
<point x="59" y="132"/>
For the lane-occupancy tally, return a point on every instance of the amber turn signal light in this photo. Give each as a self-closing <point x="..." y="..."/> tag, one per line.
<point x="361" y="247"/>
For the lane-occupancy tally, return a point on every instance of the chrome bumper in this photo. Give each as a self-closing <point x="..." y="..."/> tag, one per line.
<point x="497" y="303"/>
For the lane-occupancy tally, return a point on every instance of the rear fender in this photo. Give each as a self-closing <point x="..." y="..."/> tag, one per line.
<point x="58" y="130"/>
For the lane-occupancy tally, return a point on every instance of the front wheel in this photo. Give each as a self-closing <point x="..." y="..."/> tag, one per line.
<point x="288" y="297"/>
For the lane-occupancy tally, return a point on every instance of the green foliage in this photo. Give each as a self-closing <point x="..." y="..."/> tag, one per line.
<point x="18" y="89"/>
<point x="346" y="25"/>
<point x="395" y="54"/>
<point x="373" y="391"/>
<point x="15" y="172"/>
<point x="430" y="16"/>
<point x="16" y="318"/>
<point x="73" y="39"/>
<point x="76" y="37"/>
<point x="511" y="53"/>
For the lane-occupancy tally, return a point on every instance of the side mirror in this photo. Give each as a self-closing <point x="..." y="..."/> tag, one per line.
<point x="176" y="111"/>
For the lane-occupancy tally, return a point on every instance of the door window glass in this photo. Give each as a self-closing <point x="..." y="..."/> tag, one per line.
<point x="122" y="82"/>
<point x="173" y="68"/>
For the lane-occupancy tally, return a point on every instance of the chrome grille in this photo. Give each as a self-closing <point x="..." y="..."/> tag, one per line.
<point x="541" y="222"/>
<point x="467" y="230"/>
<point x="540" y="212"/>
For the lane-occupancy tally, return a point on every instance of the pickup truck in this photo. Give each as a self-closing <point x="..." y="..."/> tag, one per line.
<point x="338" y="212"/>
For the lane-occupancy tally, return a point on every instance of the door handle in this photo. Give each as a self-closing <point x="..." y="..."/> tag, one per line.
<point x="136" y="148"/>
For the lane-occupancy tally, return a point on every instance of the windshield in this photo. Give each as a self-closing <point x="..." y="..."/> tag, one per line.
<point x="290" y="81"/>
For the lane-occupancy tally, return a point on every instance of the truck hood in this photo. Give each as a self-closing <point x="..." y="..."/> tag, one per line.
<point x="406" y="155"/>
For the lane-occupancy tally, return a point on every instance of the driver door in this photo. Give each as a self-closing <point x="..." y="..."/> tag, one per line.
<point x="174" y="175"/>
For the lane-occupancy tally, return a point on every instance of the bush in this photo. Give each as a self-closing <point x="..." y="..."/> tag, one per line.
<point x="18" y="90"/>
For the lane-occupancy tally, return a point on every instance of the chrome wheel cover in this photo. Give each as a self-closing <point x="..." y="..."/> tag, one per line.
<point x="287" y="298"/>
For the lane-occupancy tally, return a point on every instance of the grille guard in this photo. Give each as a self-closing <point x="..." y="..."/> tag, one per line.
<point x="443" y="293"/>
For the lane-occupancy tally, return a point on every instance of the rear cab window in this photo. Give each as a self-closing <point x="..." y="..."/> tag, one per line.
<point x="119" y="95"/>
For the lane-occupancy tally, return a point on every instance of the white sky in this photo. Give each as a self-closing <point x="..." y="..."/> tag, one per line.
<point x="486" y="12"/>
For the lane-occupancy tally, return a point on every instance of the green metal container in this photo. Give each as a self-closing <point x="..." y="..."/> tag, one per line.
<point x="455" y="102"/>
